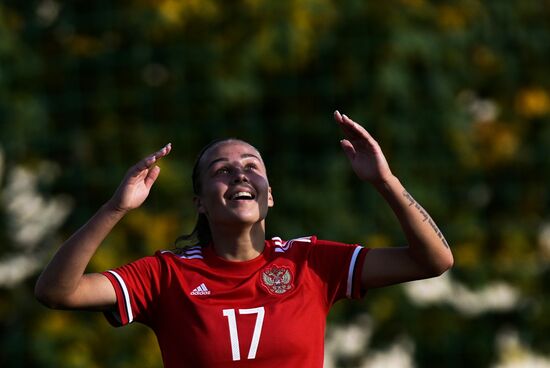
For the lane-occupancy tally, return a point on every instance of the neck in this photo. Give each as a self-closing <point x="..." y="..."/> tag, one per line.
<point x="239" y="244"/>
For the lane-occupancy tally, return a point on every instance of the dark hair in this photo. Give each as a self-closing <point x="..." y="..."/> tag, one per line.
<point x="201" y="234"/>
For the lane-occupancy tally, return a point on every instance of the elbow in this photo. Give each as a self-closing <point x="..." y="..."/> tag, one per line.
<point x="436" y="265"/>
<point x="43" y="297"/>
<point x="433" y="264"/>
<point x="450" y="262"/>
<point x="443" y="264"/>
<point x="46" y="297"/>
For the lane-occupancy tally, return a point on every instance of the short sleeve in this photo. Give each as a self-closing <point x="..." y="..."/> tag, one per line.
<point x="137" y="286"/>
<point x="339" y="266"/>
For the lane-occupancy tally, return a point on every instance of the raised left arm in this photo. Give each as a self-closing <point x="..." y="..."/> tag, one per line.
<point x="428" y="254"/>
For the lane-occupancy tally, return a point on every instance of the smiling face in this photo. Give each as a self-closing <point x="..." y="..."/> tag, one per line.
<point x="233" y="185"/>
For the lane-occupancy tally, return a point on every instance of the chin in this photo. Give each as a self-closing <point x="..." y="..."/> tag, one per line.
<point x="249" y="219"/>
<point x="240" y="218"/>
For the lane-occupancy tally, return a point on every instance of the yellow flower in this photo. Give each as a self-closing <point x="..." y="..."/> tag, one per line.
<point x="497" y="143"/>
<point x="177" y="12"/>
<point x="533" y="102"/>
<point x="451" y="18"/>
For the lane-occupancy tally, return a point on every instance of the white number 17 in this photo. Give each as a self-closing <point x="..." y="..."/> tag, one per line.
<point x="234" y="335"/>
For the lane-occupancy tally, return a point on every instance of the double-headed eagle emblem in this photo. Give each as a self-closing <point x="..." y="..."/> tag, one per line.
<point x="277" y="280"/>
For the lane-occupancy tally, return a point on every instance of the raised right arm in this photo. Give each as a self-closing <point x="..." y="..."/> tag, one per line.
<point x="64" y="284"/>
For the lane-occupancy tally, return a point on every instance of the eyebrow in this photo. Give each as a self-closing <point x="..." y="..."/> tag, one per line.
<point x="224" y="159"/>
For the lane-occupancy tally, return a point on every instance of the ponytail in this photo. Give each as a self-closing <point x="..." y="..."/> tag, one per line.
<point x="200" y="235"/>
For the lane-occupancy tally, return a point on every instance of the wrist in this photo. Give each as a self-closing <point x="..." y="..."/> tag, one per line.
<point x="386" y="184"/>
<point x="113" y="208"/>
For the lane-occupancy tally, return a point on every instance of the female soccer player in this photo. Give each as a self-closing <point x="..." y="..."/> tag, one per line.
<point x="236" y="299"/>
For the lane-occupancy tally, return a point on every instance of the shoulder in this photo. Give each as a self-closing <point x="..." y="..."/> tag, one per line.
<point x="194" y="252"/>
<point x="282" y="246"/>
<point x="167" y="259"/>
<point x="306" y="241"/>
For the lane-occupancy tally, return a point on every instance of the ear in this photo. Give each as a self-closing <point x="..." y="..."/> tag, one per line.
<point x="270" y="201"/>
<point x="198" y="205"/>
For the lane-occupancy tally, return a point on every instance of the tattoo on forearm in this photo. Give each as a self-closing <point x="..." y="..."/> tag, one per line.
<point x="427" y="217"/>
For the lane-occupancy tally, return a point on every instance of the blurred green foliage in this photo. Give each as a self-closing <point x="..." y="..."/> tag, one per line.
<point x="456" y="92"/>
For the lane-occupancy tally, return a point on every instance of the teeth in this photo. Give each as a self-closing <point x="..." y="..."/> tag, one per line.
<point x="241" y="195"/>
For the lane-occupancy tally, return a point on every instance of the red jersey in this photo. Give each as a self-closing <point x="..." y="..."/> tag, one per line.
<point x="267" y="312"/>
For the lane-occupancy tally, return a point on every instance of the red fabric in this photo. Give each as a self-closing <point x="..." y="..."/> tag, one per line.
<point x="272" y="308"/>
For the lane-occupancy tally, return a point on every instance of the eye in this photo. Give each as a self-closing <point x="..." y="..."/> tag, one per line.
<point x="222" y="171"/>
<point x="251" y="166"/>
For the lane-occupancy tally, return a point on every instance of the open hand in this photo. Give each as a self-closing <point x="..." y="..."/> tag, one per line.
<point x="364" y="153"/>
<point x="135" y="187"/>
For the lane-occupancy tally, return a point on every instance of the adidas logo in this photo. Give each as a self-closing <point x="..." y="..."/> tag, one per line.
<point x="200" y="290"/>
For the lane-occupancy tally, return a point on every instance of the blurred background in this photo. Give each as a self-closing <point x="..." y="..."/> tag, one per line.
<point x="456" y="92"/>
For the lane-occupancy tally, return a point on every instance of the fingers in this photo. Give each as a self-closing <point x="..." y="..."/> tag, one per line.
<point x="164" y="151"/>
<point x="353" y="131"/>
<point x="152" y="175"/>
<point x="348" y="148"/>
<point x="337" y="116"/>
<point x="154" y="157"/>
<point x="149" y="161"/>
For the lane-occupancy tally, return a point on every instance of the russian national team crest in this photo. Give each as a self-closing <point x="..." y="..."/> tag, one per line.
<point x="277" y="279"/>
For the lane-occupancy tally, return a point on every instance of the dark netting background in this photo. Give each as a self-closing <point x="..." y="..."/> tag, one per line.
<point x="456" y="92"/>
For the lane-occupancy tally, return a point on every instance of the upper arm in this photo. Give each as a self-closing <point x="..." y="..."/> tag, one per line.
<point x="94" y="292"/>
<point x="388" y="266"/>
<point x="97" y="292"/>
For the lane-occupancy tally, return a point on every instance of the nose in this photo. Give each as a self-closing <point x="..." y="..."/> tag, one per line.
<point x="240" y="177"/>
